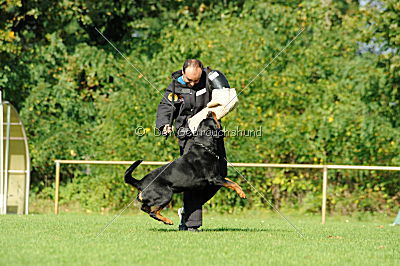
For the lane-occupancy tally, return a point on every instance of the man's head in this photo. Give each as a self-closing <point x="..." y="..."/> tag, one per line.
<point x="192" y="70"/>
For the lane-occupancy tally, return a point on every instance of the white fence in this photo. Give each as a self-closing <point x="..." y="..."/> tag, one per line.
<point x="324" y="168"/>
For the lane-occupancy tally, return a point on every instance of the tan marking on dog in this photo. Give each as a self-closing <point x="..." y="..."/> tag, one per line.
<point x="156" y="210"/>
<point x="215" y="119"/>
<point x="140" y="196"/>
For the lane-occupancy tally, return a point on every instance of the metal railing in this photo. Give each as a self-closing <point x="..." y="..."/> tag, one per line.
<point x="324" y="168"/>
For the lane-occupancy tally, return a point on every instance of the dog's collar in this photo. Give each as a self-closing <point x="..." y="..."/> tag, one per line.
<point x="207" y="149"/>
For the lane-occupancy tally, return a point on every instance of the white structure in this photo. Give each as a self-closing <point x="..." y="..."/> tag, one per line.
<point x="14" y="162"/>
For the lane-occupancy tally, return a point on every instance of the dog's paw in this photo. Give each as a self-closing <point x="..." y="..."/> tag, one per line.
<point x="168" y="221"/>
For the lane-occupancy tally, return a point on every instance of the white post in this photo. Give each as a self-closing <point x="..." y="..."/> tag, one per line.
<point x="28" y="170"/>
<point x="56" y="194"/>
<point x="7" y="158"/>
<point x="1" y="155"/>
<point x="27" y="184"/>
<point x="324" y="188"/>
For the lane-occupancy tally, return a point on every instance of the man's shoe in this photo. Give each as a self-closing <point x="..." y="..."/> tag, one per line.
<point x="182" y="225"/>
<point x="194" y="229"/>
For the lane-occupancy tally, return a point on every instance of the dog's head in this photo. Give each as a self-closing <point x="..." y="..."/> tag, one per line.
<point x="209" y="127"/>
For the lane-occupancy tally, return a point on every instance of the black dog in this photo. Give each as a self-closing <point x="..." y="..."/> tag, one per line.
<point x="194" y="170"/>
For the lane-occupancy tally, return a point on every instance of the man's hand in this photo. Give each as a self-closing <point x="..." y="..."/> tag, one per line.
<point x="167" y="129"/>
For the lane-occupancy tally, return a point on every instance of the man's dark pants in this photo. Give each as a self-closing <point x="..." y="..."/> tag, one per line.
<point x="194" y="200"/>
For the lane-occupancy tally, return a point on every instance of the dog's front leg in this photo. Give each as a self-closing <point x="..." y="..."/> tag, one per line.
<point x="226" y="182"/>
<point x="233" y="185"/>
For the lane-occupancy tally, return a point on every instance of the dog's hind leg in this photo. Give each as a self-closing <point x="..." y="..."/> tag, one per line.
<point x="155" y="213"/>
<point x="233" y="185"/>
<point x="146" y="208"/>
<point x="154" y="201"/>
<point x="159" y="205"/>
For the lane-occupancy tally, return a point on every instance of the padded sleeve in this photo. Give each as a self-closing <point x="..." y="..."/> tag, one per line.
<point x="217" y="80"/>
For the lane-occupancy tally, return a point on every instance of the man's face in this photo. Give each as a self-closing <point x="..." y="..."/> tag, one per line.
<point x="192" y="76"/>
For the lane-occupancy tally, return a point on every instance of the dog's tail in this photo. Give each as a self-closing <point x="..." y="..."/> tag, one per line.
<point x="128" y="174"/>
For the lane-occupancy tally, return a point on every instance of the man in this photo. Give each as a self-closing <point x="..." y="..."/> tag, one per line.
<point x="189" y="92"/>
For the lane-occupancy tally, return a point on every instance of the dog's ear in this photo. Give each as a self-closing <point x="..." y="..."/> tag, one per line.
<point x="210" y="114"/>
<point x="214" y="116"/>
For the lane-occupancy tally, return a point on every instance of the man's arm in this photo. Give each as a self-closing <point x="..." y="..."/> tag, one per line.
<point x="164" y="111"/>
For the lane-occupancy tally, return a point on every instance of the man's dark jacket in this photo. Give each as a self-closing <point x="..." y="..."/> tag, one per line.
<point x="187" y="101"/>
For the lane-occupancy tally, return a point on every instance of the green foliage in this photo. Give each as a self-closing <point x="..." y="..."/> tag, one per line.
<point x="383" y="36"/>
<point x="323" y="100"/>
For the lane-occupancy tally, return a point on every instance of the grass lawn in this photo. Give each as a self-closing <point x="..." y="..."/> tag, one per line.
<point x="247" y="239"/>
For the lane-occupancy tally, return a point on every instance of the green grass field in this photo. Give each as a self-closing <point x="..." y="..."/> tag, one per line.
<point x="247" y="239"/>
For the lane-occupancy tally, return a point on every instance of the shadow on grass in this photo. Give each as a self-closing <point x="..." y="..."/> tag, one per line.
<point x="222" y="229"/>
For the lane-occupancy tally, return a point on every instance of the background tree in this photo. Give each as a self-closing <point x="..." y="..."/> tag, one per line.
<point x="330" y="98"/>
